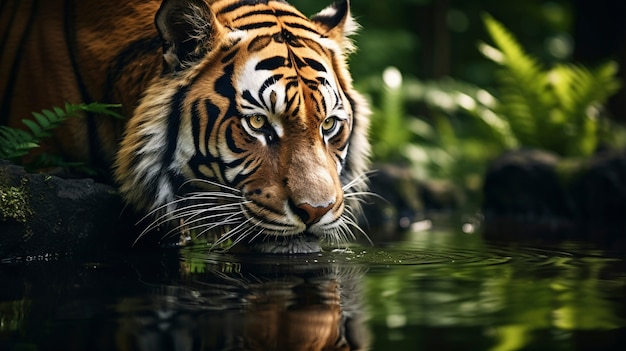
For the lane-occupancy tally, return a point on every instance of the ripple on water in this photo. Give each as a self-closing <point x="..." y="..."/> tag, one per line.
<point x="413" y="255"/>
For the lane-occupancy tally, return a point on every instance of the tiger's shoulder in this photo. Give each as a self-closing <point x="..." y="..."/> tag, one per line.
<point x="57" y="51"/>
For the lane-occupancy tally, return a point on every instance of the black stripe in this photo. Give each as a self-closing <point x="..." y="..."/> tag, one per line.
<point x="15" y="67"/>
<point x="263" y="207"/>
<point x="132" y="53"/>
<point x="338" y="141"/>
<point x="224" y="87"/>
<point x="200" y="159"/>
<point x="233" y="7"/>
<point x="177" y="181"/>
<point x="318" y="108"/>
<point x="247" y="95"/>
<point x="213" y="113"/>
<point x="230" y="56"/>
<point x="291" y="101"/>
<point x="230" y="141"/>
<point x="240" y="4"/>
<point x="255" y="13"/>
<point x="9" y="27"/>
<point x="300" y="63"/>
<point x="173" y="126"/>
<point x="257" y="25"/>
<point x="269" y="82"/>
<point x="347" y="164"/>
<point x="95" y="154"/>
<point x="271" y="63"/>
<point x="72" y="44"/>
<point x="270" y="12"/>
<point x="286" y="13"/>
<point x="313" y="84"/>
<point x="195" y="126"/>
<point x="242" y="177"/>
<point x="302" y="27"/>
<point x="316" y="65"/>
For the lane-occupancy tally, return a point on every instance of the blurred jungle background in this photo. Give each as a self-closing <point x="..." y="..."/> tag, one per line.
<point x="455" y="83"/>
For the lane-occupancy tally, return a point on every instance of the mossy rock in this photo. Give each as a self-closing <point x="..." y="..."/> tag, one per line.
<point x="44" y="215"/>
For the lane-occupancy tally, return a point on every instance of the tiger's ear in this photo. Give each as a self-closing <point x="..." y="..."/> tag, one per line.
<point x="188" y="29"/>
<point x="335" y="22"/>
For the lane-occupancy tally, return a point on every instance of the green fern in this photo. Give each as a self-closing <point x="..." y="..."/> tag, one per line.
<point x="15" y="143"/>
<point x="554" y="109"/>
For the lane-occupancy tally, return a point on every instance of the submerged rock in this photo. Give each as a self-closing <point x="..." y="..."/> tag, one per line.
<point x="43" y="215"/>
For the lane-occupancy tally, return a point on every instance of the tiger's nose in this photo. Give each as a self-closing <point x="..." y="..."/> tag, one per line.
<point x="310" y="214"/>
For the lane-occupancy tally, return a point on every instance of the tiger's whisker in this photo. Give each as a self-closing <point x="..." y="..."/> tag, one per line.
<point x="190" y="224"/>
<point x="185" y="210"/>
<point x="360" y="179"/>
<point x="210" y="182"/>
<point x="231" y="233"/>
<point x="352" y="223"/>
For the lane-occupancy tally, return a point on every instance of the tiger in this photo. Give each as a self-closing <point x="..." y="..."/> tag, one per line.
<point x="305" y="308"/>
<point x="242" y="118"/>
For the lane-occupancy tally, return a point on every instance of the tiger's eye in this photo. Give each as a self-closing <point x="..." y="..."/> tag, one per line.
<point x="257" y="122"/>
<point x="329" y="124"/>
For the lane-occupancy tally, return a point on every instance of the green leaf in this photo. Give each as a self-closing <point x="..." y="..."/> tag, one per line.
<point x="52" y="117"/>
<point x="58" y="111"/>
<point x="41" y="119"/>
<point x="34" y="127"/>
<point x="15" y="143"/>
<point x="105" y="109"/>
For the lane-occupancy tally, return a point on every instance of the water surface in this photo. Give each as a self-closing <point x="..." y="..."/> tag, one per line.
<point x="433" y="289"/>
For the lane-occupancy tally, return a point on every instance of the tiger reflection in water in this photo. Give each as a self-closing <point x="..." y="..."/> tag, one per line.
<point x="312" y="310"/>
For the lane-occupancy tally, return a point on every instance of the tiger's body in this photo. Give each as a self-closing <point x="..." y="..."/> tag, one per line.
<point x="242" y="114"/>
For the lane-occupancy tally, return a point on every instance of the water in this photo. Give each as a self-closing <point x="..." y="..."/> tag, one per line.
<point x="434" y="289"/>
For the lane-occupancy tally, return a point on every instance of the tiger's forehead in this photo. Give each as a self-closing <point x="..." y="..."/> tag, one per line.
<point x="252" y="15"/>
<point x="276" y="82"/>
<point x="271" y="21"/>
<point x="283" y="65"/>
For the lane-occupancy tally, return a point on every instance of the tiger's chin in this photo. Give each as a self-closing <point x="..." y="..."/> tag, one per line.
<point x="296" y="244"/>
<point x="296" y="240"/>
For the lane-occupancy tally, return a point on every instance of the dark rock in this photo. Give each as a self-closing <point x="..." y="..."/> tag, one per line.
<point x="525" y="183"/>
<point x="533" y="193"/>
<point x="401" y="199"/>
<point x="44" y="216"/>
<point x="600" y="189"/>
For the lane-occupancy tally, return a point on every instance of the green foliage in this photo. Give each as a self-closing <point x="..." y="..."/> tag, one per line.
<point x="556" y="109"/>
<point x="389" y="133"/>
<point x="436" y="146"/>
<point x="14" y="203"/>
<point x="463" y="125"/>
<point x="15" y="143"/>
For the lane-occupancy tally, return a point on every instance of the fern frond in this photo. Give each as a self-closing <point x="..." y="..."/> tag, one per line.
<point x="580" y="93"/>
<point x="525" y="98"/>
<point x="98" y="108"/>
<point x="15" y="143"/>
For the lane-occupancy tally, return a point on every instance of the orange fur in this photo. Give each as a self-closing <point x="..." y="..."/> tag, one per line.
<point x="59" y="53"/>
<point x="190" y="74"/>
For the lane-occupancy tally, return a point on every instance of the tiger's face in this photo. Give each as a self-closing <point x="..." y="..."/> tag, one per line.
<point x="254" y="131"/>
